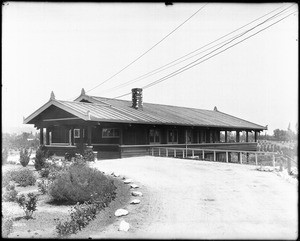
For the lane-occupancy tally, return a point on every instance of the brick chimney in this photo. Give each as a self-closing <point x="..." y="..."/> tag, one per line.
<point x="137" y="98"/>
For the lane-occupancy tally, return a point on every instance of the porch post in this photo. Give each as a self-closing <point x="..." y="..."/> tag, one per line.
<point x="121" y="136"/>
<point x="81" y="135"/>
<point x="237" y="136"/>
<point x="225" y="136"/>
<point x="256" y="159"/>
<point x="41" y="136"/>
<point x="255" y="136"/>
<point x="47" y="136"/>
<point x="247" y="137"/>
<point x="72" y="136"/>
<point x="89" y="137"/>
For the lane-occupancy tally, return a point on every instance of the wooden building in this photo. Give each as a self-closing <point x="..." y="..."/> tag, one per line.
<point x="118" y="128"/>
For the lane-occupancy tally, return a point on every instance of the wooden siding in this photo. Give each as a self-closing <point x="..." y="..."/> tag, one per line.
<point x="134" y="151"/>
<point x="60" y="150"/>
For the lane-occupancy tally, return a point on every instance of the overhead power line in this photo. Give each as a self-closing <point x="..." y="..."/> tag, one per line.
<point x="165" y="78"/>
<point x="173" y="63"/>
<point x="148" y="49"/>
<point x="194" y="63"/>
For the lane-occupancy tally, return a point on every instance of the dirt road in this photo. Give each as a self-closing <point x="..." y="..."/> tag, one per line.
<point x="205" y="200"/>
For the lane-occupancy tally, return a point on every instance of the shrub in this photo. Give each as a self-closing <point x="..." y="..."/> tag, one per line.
<point x="80" y="216"/>
<point x="51" y="168"/>
<point x="79" y="160"/>
<point x="10" y="193"/>
<point x="40" y="157"/>
<point x="7" y="226"/>
<point x="44" y="172"/>
<point x="78" y="182"/>
<point x="25" y="156"/>
<point x="86" y="152"/>
<point x="28" y="205"/>
<point x="24" y="177"/>
<point x="12" y="162"/>
<point x="43" y="186"/>
<point x="69" y="155"/>
<point x="88" y="155"/>
<point x="8" y="177"/>
<point x="4" y="155"/>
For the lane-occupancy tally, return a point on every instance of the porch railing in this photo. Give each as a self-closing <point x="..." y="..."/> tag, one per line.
<point x="197" y="153"/>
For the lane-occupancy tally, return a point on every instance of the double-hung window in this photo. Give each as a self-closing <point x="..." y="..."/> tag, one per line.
<point x="173" y="136"/>
<point x="110" y="133"/>
<point x="154" y="136"/>
<point x="188" y="136"/>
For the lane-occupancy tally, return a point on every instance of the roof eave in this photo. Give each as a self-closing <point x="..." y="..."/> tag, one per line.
<point x="57" y="104"/>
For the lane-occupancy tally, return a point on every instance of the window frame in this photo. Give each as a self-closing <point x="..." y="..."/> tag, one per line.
<point x="173" y="133"/>
<point x="112" y="130"/>
<point x="156" y="131"/>
<point x="76" y="133"/>
<point x="189" y="135"/>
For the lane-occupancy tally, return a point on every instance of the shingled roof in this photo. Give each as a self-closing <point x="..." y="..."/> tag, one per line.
<point x="94" y="108"/>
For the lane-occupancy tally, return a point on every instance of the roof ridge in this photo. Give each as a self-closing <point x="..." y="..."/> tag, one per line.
<point x="84" y="103"/>
<point x="148" y="103"/>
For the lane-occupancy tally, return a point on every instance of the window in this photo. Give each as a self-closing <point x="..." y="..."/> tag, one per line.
<point x="154" y="136"/>
<point x="188" y="136"/>
<point x="110" y="133"/>
<point x="172" y="136"/>
<point x="76" y="133"/>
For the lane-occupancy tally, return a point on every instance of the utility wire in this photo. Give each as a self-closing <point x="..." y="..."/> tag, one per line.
<point x="148" y="49"/>
<point x="167" y="77"/>
<point x="194" y="64"/>
<point x="170" y="64"/>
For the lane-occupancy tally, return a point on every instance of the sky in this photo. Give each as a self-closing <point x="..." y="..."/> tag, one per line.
<point x="64" y="47"/>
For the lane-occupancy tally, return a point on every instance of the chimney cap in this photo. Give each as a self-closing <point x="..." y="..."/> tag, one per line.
<point x="137" y="98"/>
<point x="136" y="89"/>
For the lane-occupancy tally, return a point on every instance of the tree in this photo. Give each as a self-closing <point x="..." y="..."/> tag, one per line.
<point x="24" y="140"/>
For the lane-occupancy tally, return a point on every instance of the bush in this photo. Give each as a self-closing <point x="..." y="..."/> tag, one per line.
<point x="51" y="168"/>
<point x="13" y="162"/>
<point x="69" y="155"/>
<point x="45" y="172"/>
<point x="7" y="226"/>
<point x="43" y="186"/>
<point x="78" y="182"/>
<point x="24" y="177"/>
<point x="29" y="204"/>
<point x="88" y="155"/>
<point x="40" y="157"/>
<point x="86" y="152"/>
<point x="81" y="215"/>
<point x="8" y="177"/>
<point x="4" y="155"/>
<point x="25" y="156"/>
<point x="10" y="193"/>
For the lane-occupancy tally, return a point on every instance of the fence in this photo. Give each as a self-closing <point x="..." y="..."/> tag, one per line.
<point x="232" y="156"/>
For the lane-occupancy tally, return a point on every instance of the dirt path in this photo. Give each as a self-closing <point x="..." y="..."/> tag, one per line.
<point x="206" y="200"/>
